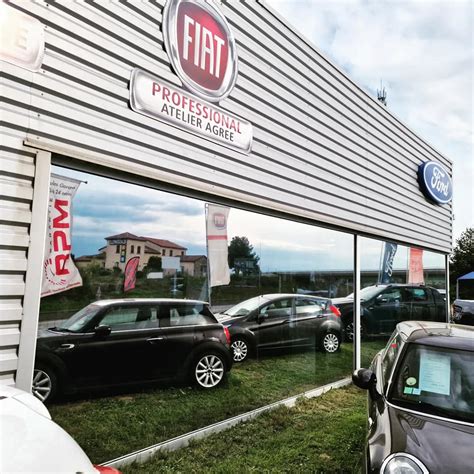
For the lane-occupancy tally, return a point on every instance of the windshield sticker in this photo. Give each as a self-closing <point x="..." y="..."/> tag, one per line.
<point x="408" y="390"/>
<point x="411" y="381"/>
<point x="435" y="373"/>
<point x="416" y="391"/>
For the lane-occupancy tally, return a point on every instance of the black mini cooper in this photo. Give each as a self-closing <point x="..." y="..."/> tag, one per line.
<point x="119" y="342"/>
<point x="421" y="401"/>
<point x="277" y="321"/>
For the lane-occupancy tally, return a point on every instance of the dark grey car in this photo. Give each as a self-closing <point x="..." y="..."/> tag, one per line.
<point x="277" y="321"/>
<point x="421" y="401"/>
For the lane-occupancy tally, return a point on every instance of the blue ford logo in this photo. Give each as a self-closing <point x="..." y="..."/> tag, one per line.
<point x="435" y="182"/>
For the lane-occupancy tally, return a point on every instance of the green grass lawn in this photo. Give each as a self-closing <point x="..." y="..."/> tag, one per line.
<point x="324" y="434"/>
<point x="108" y="426"/>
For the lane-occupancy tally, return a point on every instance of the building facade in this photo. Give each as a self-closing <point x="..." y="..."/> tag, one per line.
<point x="293" y="137"/>
<point x="121" y="247"/>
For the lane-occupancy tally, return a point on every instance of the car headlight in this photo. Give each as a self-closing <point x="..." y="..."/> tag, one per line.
<point x="403" y="463"/>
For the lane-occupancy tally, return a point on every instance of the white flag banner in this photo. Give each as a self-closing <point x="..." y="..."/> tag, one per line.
<point x="216" y="230"/>
<point x="59" y="271"/>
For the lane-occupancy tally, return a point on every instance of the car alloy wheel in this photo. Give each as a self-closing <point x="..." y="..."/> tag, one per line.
<point x="209" y="371"/>
<point x="331" y="342"/>
<point x="42" y="386"/>
<point x="240" y="350"/>
<point x="349" y="331"/>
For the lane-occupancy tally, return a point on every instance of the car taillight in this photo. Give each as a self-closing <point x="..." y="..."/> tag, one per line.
<point x="335" y="310"/>
<point x="227" y="334"/>
<point x="106" y="470"/>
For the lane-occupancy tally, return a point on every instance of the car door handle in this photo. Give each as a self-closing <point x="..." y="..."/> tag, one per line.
<point x="66" y="347"/>
<point x="154" y="340"/>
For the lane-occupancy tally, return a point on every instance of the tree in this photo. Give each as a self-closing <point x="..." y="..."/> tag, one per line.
<point x="242" y="257"/>
<point x="154" y="264"/>
<point x="462" y="258"/>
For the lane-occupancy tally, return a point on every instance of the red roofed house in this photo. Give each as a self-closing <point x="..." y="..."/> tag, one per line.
<point x="121" y="247"/>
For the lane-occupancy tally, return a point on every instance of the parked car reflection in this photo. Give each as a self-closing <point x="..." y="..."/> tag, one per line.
<point x="383" y="306"/>
<point x="119" y="342"/>
<point x="276" y="321"/>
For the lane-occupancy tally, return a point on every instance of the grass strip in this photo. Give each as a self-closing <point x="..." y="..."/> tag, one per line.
<point x="109" y="426"/>
<point x="324" y="434"/>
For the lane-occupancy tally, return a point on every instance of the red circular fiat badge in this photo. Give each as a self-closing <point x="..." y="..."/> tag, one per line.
<point x="201" y="47"/>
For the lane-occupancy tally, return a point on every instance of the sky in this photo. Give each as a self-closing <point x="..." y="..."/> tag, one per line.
<point x="423" y="53"/>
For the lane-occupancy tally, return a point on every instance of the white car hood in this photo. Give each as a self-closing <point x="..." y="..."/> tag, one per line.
<point x="31" y="442"/>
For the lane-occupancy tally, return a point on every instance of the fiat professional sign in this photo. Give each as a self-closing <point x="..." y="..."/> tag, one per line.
<point x="201" y="47"/>
<point x="156" y="98"/>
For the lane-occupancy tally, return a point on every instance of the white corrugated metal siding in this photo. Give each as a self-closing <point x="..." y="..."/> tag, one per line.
<point x="16" y="192"/>
<point x="323" y="149"/>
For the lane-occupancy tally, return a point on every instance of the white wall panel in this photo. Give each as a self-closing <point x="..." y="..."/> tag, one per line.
<point x="323" y="149"/>
<point x="16" y="191"/>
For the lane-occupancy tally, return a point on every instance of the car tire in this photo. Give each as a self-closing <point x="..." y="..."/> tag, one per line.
<point x="240" y="349"/>
<point x="45" y="384"/>
<point x="349" y="330"/>
<point x="331" y="342"/>
<point x="208" y="370"/>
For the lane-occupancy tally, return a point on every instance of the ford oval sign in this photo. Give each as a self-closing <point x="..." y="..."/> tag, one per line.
<point x="435" y="182"/>
<point x="201" y="47"/>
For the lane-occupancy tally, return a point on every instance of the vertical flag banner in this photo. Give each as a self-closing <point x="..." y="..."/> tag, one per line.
<point x="415" y="266"/>
<point x="130" y="274"/>
<point x="216" y="231"/>
<point x="387" y="262"/>
<point x="59" y="271"/>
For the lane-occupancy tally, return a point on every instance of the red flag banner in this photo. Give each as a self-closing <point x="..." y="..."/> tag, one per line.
<point x="130" y="274"/>
<point x="415" y="266"/>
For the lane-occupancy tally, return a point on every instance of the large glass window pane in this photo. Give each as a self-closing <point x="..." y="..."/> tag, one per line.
<point x="282" y="311"/>
<point x="399" y="284"/>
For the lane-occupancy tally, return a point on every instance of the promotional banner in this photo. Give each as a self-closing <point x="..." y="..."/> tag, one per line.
<point x="415" y="266"/>
<point x="130" y="274"/>
<point x="216" y="230"/>
<point x="386" y="269"/>
<point x="59" y="271"/>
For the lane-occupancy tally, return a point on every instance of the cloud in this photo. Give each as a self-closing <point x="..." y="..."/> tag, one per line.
<point x="423" y="52"/>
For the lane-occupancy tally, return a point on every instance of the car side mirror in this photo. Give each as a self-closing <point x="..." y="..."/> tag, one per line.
<point x="102" y="331"/>
<point x="379" y="301"/>
<point x="366" y="380"/>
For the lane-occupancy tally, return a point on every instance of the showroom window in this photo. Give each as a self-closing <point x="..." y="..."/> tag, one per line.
<point x="282" y="274"/>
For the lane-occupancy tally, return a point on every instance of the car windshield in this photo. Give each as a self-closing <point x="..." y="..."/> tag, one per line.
<point x="79" y="320"/>
<point x="435" y="380"/>
<point x="245" y="307"/>
<point x="368" y="292"/>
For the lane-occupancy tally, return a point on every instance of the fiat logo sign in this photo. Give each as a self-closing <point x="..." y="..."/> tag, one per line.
<point x="219" y="220"/>
<point x="201" y="47"/>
